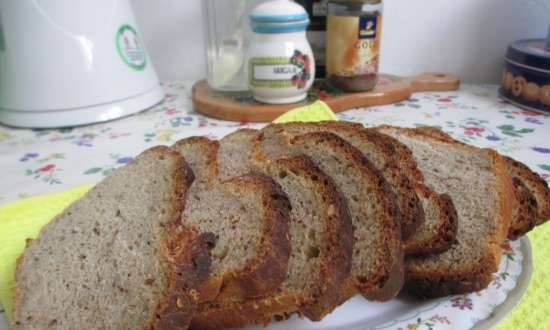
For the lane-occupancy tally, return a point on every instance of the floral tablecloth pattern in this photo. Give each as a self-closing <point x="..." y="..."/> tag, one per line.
<point x="42" y="161"/>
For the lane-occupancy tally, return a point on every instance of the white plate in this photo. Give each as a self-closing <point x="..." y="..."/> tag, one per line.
<point x="480" y="310"/>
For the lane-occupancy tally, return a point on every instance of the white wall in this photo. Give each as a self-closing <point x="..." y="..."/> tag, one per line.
<point x="465" y="37"/>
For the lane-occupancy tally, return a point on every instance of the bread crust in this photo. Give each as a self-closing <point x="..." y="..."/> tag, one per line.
<point x="535" y="183"/>
<point x="525" y="214"/>
<point x="267" y="270"/>
<point x="445" y="233"/>
<point x="338" y="235"/>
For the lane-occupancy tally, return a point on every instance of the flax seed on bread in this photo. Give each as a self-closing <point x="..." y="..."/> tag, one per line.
<point x="484" y="201"/>
<point x="117" y="258"/>
<point x="249" y="216"/>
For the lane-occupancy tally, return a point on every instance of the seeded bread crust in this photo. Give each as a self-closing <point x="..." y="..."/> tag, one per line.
<point x="478" y="274"/>
<point x="333" y="270"/>
<point x="186" y="263"/>
<point x="369" y="143"/>
<point x="268" y="268"/>
<point x="386" y="280"/>
<point x="536" y="185"/>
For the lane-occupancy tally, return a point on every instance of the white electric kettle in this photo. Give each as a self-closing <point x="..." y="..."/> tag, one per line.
<point x="72" y="62"/>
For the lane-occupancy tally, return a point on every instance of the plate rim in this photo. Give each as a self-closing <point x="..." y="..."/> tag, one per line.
<point x="515" y="296"/>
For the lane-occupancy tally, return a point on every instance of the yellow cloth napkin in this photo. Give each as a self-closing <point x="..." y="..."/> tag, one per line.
<point x="315" y="112"/>
<point x="533" y="312"/>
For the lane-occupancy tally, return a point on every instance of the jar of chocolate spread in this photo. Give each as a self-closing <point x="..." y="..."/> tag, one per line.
<point x="353" y="44"/>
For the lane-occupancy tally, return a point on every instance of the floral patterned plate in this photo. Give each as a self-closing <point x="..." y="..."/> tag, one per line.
<point x="481" y="310"/>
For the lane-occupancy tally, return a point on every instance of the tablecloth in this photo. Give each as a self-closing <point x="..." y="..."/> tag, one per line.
<point x="34" y="162"/>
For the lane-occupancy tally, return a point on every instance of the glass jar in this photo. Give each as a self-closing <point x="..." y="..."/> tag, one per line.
<point x="227" y="34"/>
<point x="353" y="44"/>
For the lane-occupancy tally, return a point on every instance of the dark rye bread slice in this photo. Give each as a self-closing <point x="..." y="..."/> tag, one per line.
<point x="436" y="230"/>
<point x="249" y="217"/>
<point x="117" y="258"/>
<point x="410" y="208"/>
<point x="482" y="192"/>
<point x="377" y="263"/>
<point x="525" y="182"/>
<point x="321" y="245"/>
<point x="320" y="230"/>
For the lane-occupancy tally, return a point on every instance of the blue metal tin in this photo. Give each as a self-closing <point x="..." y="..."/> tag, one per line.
<point x="526" y="78"/>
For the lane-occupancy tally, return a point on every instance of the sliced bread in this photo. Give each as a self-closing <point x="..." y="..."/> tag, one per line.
<point x="249" y="217"/>
<point x="438" y="232"/>
<point x="410" y="208"/>
<point x="117" y="258"/>
<point x="431" y="225"/>
<point x="377" y="263"/>
<point x="482" y="192"/>
<point x="321" y="245"/>
<point x="526" y="183"/>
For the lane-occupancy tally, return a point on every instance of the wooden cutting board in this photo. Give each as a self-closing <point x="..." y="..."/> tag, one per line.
<point x="241" y="106"/>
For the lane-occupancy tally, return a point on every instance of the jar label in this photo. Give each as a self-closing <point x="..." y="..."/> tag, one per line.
<point x="280" y="72"/>
<point x="353" y="45"/>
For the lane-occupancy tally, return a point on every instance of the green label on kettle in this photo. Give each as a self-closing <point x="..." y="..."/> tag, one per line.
<point x="129" y="47"/>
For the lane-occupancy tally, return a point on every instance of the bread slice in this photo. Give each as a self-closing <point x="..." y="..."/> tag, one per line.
<point x="321" y="242"/>
<point x="431" y="225"/>
<point x="377" y="263"/>
<point x="117" y="258"/>
<point x="249" y="217"/>
<point x="482" y="191"/>
<point x="532" y="190"/>
<point x="410" y="208"/>
<point x="438" y="232"/>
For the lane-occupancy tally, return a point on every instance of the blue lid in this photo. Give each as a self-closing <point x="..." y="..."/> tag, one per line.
<point x="530" y="53"/>
<point x="280" y="28"/>
<point x="279" y="16"/>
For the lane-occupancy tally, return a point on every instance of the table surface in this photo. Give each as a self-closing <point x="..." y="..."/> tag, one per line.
<point x="42" y="161"/>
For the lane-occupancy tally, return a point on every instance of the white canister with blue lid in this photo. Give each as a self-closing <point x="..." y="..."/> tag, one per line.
<point x="281" y="66"/>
